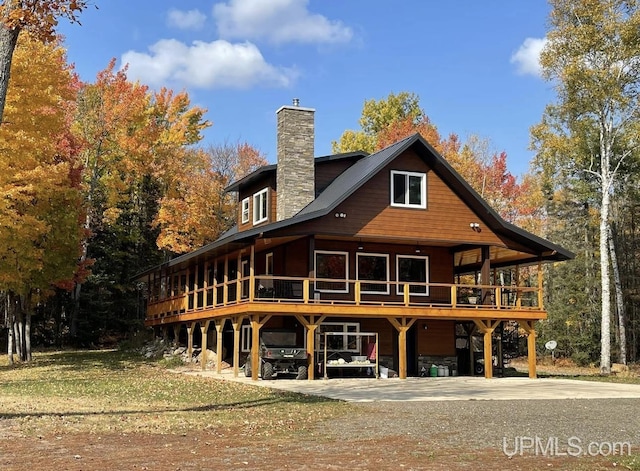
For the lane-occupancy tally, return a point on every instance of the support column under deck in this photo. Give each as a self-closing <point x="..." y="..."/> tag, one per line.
<point x="487" y="327"/>
<point x="204" y="328"/>
<point x="402" y="325"/>
<point x="311" y="323"/>
<point x="529" y="327"/>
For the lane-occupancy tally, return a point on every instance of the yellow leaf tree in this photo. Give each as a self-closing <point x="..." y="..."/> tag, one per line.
<point x="40" y="210"/>
<point x="39" y="17"/>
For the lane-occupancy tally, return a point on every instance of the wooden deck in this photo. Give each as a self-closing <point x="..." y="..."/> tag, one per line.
<point x="300" y="296"/>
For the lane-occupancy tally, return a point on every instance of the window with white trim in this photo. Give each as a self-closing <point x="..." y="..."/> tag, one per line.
<point x="245" y="210"/>
<point x="414" y="270"/>
<point x="373" y="267"/>
<point x="245" y="338"/>
<point x="408" y="189"/>
<point x="260" y="206"/>
<point x="328" y="266"/>
<point x="339" y="343"/>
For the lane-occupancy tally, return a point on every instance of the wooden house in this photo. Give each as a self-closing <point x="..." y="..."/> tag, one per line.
<point x="394" y="244"/>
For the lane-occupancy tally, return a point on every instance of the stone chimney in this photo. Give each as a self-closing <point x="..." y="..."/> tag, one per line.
<point x="296" y="174"/>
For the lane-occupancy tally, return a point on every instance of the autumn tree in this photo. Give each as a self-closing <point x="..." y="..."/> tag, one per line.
<point x="592" y="58"/>
<point x="198" y="210"/>
<point x="135" y="151"/>
<point x="402" y="110"/>
<point x="39" y="17"/>
<point x="39" y="176"/>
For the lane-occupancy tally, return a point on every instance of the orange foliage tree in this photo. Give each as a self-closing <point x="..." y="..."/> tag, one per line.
<point x="135" y="151"/>
<point x="198" y="210"/>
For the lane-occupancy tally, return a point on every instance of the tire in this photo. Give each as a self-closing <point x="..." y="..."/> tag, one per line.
<point x="479" y="368"/>
<point x="302" y="372"/>
<point x="247" y="368"/>
<point x="267" y="370"/>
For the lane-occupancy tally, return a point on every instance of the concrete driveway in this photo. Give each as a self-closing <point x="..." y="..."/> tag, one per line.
<point x="460" y="388"/>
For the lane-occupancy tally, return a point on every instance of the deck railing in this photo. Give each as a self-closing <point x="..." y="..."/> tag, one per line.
<point x="281" y="289"/>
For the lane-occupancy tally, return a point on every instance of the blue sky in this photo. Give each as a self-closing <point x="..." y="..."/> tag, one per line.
<point x="473" y="64"/>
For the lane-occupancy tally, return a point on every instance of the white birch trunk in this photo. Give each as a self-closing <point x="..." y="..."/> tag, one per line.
<point x="10" y="340"/>
<point x="27" y="337"/>
<point x="620" y="309"/>
<point x="605" y="282"/>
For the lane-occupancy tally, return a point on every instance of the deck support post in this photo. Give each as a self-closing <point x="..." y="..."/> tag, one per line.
<point x="204" y="328"/>
<point x="190" y="326"/>
<point x="165" y="334"/>
<point x="219" y="324"/>
<point x="487" y="327"/>
<point x="257" y="322"/>
<point x="402" y="325"/>
<point x="311" y="324"/>
<point x="236" y="322"/>
<point x="529" y="327"/>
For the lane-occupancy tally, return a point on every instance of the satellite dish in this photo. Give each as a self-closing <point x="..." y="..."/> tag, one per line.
<point x="551" y="345"/>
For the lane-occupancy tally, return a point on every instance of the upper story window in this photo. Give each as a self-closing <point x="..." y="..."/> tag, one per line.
<point x="414" y="270"/>
<point x="260" y="206"/>
<point x="245" y="211"/>
<point x="331" y="266"/>
<point x="408" y="189"/>
<point x="373" y="267"/>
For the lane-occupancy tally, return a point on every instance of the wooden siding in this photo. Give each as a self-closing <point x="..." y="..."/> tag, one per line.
<point x="437" y="339"/>
<point x="369" y="213"/>
<point x="248" y="192"/>
<point x="329" y="171"/>
<point x="386" y="333"/>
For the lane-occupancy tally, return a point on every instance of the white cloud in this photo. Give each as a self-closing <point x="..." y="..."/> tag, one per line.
<point x="527" y="57"/>
<point x="192" y="19"/>
<point x="277" y="21"/>
<point x="218" y="64"/>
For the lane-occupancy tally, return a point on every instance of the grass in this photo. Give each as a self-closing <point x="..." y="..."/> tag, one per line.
<point x="115" y="391"/>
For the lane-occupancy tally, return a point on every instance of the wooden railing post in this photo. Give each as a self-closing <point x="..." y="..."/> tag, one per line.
<point x="252" y="274"/>
<point x="498" y="302"/>
<point x="405" y="291"/>
<point x="305" y="290"/>
<point x="540" y="297"/>
<point x="225" y="288"/>
<point x="454" y="296"/>
<point x="357" y="292"/>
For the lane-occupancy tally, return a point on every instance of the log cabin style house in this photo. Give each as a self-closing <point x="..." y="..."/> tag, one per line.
<point x="390" y="255"/>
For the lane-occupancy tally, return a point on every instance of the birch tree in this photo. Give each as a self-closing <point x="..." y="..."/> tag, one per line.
<point x="593" y="58"/>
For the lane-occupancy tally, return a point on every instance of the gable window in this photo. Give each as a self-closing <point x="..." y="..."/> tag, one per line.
<point x="260" y="207"/>
<point x="408" y="189"/>
<point x="328" y="266"/>
<point x="413" y="269"/>
<point x="373" y="267"/>
<point x="245" y="211"/>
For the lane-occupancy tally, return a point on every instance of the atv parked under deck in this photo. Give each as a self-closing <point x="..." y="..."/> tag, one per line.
<point x="280" y="354"/>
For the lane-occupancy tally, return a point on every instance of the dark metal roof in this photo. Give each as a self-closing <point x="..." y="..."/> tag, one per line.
<point x="267" y="169"/>
<point x="349" y="181"/>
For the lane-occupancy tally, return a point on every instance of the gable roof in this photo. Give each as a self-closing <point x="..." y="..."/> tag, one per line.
<point x="354" y="177"/>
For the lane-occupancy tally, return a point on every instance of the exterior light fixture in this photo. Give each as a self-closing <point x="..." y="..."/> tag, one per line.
<point x="475" y="227"/>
